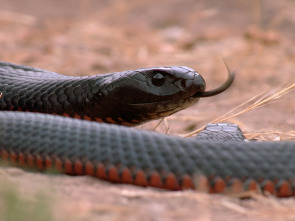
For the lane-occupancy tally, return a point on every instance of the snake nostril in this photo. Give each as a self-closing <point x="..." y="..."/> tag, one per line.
<point x="183" y="83"/>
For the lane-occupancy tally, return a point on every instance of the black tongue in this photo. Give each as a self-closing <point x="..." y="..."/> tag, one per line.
<point x="218" y="90"/>
<point x="223" y="87"/>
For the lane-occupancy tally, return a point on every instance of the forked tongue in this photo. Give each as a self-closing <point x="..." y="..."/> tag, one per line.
<point x="223" y="87"/>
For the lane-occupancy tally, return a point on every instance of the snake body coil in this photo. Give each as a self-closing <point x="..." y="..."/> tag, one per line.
<point x="125" y="155"/>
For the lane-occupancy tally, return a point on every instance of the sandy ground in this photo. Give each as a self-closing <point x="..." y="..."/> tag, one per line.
<point x="83" y="37"/>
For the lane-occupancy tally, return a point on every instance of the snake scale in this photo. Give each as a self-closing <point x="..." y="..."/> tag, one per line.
<point x="126" y="155"/>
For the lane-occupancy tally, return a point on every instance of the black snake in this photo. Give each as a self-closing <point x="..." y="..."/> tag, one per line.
<point x="126" y="155"/>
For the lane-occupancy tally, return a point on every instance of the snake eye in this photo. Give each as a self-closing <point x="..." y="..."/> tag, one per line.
<point x="158" y="79"/>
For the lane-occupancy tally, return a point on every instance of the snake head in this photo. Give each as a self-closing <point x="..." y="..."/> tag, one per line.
<point x="141" y="95"/>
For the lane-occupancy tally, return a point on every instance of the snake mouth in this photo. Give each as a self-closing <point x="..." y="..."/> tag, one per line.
<point x="165" y="108"/>
<point x="172" y="102"/>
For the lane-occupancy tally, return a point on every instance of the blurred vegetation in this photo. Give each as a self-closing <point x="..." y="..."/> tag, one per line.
<point x="16" y="206"/>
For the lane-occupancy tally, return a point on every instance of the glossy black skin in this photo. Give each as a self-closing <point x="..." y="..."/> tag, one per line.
<point x="140" y="97"/>
<point x="129" y="97"/>
<point x="27" y="137"/>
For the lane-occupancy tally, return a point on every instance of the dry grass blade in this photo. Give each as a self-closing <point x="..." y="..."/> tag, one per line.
<point x="160" y="121"/>
<point x="167" y="126"/>
<point x="255" y="102"/>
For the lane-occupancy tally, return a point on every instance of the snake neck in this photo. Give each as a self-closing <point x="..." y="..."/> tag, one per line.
<point x="35" y="90"/>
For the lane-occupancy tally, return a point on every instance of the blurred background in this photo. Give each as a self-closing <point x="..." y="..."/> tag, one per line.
<point x="85" y="37"/>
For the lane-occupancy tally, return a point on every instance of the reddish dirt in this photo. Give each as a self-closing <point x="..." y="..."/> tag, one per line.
<point x="83" y="37"/>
